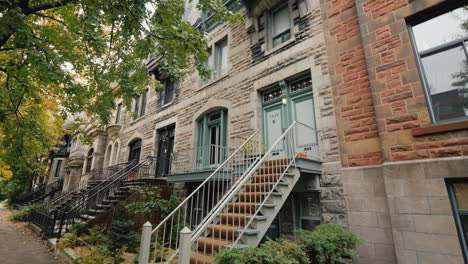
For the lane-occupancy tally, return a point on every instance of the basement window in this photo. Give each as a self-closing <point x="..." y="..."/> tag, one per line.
<point x="458" y="194"/>
<point x="441" y="44"/>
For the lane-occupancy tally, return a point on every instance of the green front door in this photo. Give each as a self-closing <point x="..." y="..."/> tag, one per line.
<point x="282" y="105"/>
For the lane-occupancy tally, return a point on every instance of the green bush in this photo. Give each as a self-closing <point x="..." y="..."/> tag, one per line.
<point x="69" y="240"/>
<point x="24" y="214"/>
<point x="120" y="236"/>
<point x="281" y="251"/>
<point x="328" y="243"/>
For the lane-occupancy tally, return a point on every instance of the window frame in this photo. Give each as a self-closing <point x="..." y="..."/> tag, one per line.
<point x="271" y="37"/>
<point x="214" y="61"/>
<point x="58" y="167"/>
<point x="463" y="42"/>
<point x="163" y="92"/>
<point x="139" y="107"/>
<point x="456" y="214"/>
<point x="89" y="160"/>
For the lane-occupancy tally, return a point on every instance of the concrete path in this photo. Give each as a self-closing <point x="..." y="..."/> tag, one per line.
<point x="18" y="245"/>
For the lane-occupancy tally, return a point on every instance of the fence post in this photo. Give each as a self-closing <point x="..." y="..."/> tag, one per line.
<point x="145" y="243"/>
<point x="184" y="248"/>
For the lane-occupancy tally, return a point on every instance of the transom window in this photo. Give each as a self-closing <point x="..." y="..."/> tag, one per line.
<point x="280" y="25"/>
<point x="217" y="60"/>
<point x="442" y="46"/>
<point x="139" y="107"/>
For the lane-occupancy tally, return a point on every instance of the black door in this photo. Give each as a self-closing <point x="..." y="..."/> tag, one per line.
<point x="135" y="149"/>
<point x="165" y="148"/>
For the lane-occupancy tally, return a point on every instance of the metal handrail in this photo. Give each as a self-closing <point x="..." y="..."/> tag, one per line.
<point x="213" y="182"/>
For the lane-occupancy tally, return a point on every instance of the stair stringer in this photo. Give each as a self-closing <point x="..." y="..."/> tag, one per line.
<point x="261" y="227"/>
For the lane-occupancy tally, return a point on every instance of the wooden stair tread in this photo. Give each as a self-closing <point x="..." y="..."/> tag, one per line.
<point x="200" y="258"/>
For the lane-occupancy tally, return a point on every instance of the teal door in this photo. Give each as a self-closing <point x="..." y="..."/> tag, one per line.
<point x="284" y="104"/>
<point x="303" y="111"/>
<point x="274" y="121"/>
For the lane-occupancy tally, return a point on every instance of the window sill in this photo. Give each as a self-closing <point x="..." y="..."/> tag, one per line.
<point x="137" y="120"/>
<point x="435" y="129"/>
<point x="275" y="49"/>
<point x="211" y="82"/>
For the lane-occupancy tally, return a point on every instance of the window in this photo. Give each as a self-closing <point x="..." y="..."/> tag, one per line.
<point x="212" y="130"/>
<point x="217" y="60"/>
<point x="458" y="194"/>
<point x="166" y="94"/>
<point x="118" y="113"/>
<point x="140" y="105"/>
<point x="135" y="150"/>
<point x="280" y="25"/>
<point x="58" y="168"/>
<point x="442" y="47"/>
<point x="89" y="160"/>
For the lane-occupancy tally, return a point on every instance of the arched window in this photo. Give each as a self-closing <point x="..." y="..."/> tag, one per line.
<point x="212" y="133"/>
<point x="115" y="156"/>
<point x="89" y="160"/>
<point x="135" y="150"/>
<point x="108" y="156"/>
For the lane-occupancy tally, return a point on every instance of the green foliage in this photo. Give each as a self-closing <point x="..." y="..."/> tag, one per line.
<point x="24" y="214"/>
<point x="95" y="236"/>
<point x="120" y="236"/>
<point x="281" y="251"/>
<point x="66" y="58"/>
<point x="150" y="199"/>
<point x="80" y="228"/>
<point x="69" y="240"/>
<point x="328" y="243"/>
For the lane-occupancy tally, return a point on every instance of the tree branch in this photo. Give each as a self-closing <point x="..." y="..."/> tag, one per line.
<point x="49" y="5"/>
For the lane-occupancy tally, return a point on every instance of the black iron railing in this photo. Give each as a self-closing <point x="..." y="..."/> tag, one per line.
<point x="42" y="190"/>
<point x="78" y="207"/>
<point x="45" y="220"/>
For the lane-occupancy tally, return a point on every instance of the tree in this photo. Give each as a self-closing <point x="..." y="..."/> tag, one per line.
<point x="75" y="53"/>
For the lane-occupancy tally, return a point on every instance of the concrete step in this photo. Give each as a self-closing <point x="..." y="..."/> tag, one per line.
<point x="200" y="258"/>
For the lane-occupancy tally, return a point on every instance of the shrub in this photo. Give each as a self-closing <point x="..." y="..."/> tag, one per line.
<point x="69" y="240"/>
<point x="328" y="243"/>
<point x="24" y="214"/>
<point x="80" y="228"/>
<point x="95" y="236"/>
<point x="281" y="251"/>
<point x="120" y="236"/>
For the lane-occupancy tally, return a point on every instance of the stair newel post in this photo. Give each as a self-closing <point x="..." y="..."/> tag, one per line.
<point x="184" y="246"/>
<point x="145" y="244"/>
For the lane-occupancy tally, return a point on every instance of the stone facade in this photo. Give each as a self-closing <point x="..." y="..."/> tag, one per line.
<point x="385" y="164"/>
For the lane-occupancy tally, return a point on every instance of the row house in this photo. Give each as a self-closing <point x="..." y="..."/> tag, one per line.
<point x="352" y="112"/>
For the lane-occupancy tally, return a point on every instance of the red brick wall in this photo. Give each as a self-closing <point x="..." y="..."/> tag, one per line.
<point x="397" y="89"/>
<point x="355" y="113"/>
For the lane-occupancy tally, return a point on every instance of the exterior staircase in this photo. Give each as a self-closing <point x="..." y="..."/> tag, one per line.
<point x="41" y="193"/>
<point x="98" y="197"/>
<point x="245" y="220"/>
<point x="239" y="205"/>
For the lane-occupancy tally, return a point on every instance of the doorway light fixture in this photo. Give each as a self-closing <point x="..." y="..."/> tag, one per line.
<point x="284" y="100"/>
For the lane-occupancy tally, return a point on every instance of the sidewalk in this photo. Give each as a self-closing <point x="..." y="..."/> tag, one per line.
<point x="18" y="245"/>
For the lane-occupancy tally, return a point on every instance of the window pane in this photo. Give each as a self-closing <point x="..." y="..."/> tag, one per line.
<point x="117" y="115"/>
<point x="461" y="195"/>
<point x="169" y="92"/>
<point x="221" y="57"/>
<point x="143" y="103"/>
<point x="280" y="21"/>
<point x="441" y="29"/>
<point x="448" y="91"/>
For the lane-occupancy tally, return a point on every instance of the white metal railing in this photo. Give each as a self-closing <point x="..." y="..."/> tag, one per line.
<point x="239" y="210"/>
<point x="228" y="218"/>
<point x="201" y="158"/>
<point x="200" y="204"/>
